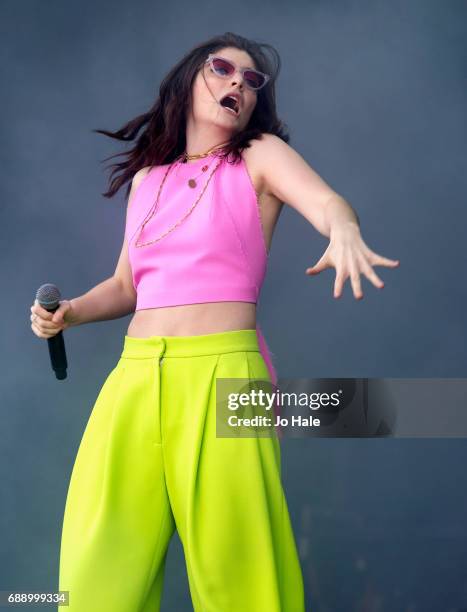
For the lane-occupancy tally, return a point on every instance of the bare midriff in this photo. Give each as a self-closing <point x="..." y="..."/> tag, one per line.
<point x="193" y="319"/>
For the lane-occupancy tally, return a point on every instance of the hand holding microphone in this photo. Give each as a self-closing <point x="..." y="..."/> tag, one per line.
<point x="49" y="317"/>
<point x="46" y="324"/>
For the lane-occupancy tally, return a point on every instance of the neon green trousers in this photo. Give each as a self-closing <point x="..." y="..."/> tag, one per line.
<point x="150" y="462"/>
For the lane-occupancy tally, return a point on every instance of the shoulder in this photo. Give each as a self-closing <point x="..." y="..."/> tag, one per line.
<point x="266" y="144"/>
<point x="139" y="176"/>
<point x="260" y="156"/>
<point x="137" y="180"/>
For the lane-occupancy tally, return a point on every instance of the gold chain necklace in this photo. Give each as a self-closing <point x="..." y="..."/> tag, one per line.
<point x="184" y="157"/>
<point x="192" y="181"/>
<point x="200" y="155"/>
<point x="153" y="210"/>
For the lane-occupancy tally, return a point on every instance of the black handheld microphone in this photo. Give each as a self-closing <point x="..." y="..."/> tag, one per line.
<point x="48" y="297"/>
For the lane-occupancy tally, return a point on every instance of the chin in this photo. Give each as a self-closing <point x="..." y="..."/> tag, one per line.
<point x="224" y="124"/>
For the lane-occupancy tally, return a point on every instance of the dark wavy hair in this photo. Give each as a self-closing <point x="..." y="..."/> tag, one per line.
<point x="163" y="135"/>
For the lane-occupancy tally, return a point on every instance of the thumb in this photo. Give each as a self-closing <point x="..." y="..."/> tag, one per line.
<point x="59" y="313"/>
<point x="321" y="265"/>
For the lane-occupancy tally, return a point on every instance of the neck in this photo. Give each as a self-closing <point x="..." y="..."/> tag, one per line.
<point x="200" y="139"/>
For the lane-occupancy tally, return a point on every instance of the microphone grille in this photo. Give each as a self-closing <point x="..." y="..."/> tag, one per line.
<point x="48" y="296"/>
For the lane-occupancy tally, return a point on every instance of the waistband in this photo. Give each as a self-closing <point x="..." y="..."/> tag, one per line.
<point x="190" y="346"/>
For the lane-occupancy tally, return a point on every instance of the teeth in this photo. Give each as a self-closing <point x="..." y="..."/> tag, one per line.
<point x="229" y="109"/>
<point x="236" y="107"/>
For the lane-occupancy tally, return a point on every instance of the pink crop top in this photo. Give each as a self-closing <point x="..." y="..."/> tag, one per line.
<point x="217" y="253"/>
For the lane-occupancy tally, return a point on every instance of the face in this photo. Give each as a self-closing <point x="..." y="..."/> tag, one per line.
<point x="209" y="89"/>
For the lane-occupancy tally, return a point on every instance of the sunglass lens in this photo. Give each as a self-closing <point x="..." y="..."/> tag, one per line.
<point x="254" y="79"/>
<point x="222" y="67"/>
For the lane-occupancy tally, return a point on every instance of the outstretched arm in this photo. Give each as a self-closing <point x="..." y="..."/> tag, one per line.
<point x="291" y="179"/>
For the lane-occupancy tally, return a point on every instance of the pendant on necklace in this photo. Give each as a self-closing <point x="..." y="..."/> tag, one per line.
<point x="192" y="182"/>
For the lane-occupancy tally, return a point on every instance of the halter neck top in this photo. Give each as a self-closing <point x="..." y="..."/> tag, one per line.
<point x="215" y="253"/>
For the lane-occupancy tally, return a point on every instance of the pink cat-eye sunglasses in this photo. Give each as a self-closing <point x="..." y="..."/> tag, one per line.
<point x="224" y="68"/>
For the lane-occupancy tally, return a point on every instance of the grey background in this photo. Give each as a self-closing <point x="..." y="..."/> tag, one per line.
<point x="374" y="94"/>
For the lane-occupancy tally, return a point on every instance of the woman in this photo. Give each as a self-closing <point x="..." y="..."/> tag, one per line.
<point x="209" y="174"/>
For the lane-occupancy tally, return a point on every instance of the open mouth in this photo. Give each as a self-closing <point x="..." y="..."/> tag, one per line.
<point x="230" y="104"/>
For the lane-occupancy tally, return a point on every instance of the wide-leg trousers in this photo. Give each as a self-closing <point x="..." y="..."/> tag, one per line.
<point x="150" y="462"/>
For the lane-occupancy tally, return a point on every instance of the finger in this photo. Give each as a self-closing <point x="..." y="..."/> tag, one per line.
<point x="370" y="273"/>
<point x="37" y="331"/>
<point x="355" y="281"/>
<point x="338" y="284"/>
<point x="321" y="265"/>
<point x="42" y="312"/>
<point x="44" y="325"/>
<point x="44" y="333"/>
<point x="379" y="260"/>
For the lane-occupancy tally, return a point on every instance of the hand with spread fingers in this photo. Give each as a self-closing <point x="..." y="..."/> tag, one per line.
<point x="350" y="256"/>
<point x="288" y="176"/>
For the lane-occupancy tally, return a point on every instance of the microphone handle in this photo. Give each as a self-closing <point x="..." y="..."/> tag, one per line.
<point x="58" y="355"/>
<point x="57" y="352"/>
